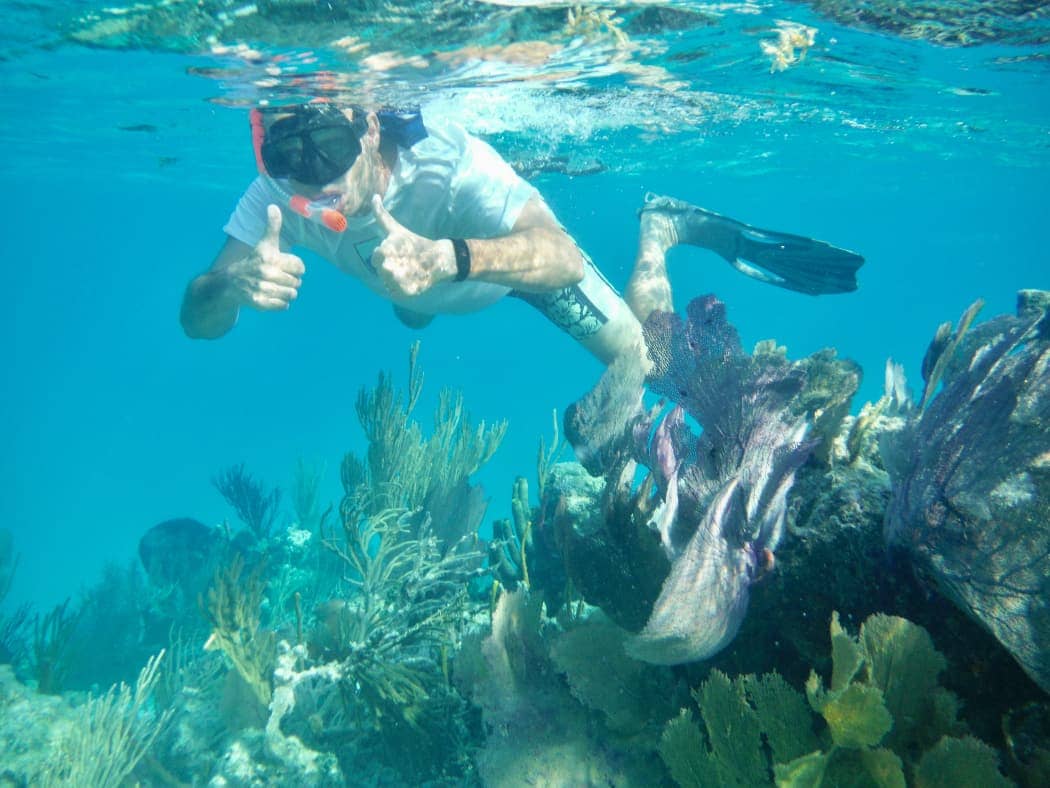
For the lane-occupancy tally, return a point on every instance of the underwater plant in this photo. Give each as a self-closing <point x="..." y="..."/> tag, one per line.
<point x="738" y="716"/>
<point x="116" y="732"/>
<point x="971" y="476"/>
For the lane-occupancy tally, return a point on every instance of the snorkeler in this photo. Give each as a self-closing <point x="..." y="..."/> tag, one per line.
<point x="435" y="221"/>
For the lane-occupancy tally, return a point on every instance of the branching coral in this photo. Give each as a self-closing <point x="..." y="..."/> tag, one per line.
<point x="406" y="601"/>
<point x="971" y="478"/>
<point x="306" y="494"/>
<point x="372" y="682"/>
<point x="52" y="642"/>
<point x="256" y="506"/>
<point x="111" y="734"/>
<point x="233" y="608"/>
<point x="408" y="546"/>
<point x="403" y="469"/>
<point x="13" y="626"/>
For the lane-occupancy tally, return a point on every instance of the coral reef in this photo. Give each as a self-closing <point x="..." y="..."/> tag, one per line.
<point x="716" y="502"/>
<point x="561" y="703"/>
<point x="363" y="643"/>
<point x="833" y="557"/>
<point x="971" y="478"/>
<point x="99" y="743"/>
<point x="524" y="550"/>
<point x="364" y="689"/>
<point x="331" y="645"/>
<point x="884" y="717"/>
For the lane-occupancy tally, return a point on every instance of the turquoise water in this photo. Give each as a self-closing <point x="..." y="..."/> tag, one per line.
<point x="121" y="165"/>
<point x="118" y="421"/>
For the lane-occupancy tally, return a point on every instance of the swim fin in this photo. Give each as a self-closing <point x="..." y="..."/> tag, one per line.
<point x="790" y="261"/>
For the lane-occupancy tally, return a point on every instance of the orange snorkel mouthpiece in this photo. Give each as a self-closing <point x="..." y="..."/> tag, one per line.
<point x="313" y="210"/>
<point x="309" y="209"/>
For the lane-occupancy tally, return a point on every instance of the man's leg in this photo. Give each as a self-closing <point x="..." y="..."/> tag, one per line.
<point x="793" y="262"/>
<point x="649" y="288"/>
<point x="593" y="314"/>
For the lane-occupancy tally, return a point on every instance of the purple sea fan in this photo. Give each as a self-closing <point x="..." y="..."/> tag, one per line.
<point x="728" y="495"/>
<point x="704" y="599"/>
<point x="971" y="481"/>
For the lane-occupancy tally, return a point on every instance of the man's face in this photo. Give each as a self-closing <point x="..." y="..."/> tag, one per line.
<point x="311" y="142"/>
<point x="352" y="191"/>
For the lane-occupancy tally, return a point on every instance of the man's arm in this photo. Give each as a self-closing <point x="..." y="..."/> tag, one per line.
<point x="262" y="277"/>
<point x="537" y="255"/>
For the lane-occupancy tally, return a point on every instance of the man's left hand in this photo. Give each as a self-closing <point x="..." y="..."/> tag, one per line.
<point x="409" y="264"/>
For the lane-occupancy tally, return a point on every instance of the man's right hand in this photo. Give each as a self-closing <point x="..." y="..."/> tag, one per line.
<point x="266" y="279"/>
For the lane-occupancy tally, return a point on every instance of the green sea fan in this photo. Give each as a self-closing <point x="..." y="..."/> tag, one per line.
<point x="959" y="763"/>
<point x="740" y="718"/>
<point x="883" y="709"/>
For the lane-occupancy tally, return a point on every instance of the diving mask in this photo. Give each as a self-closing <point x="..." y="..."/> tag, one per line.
<point x="312" y="143"/>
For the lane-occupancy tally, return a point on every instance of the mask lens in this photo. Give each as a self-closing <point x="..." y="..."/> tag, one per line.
<point x="284" y="156"/>
<point x="337" y="143"/>
<point x="334" y="150"/>
<point x="311" y="147"/>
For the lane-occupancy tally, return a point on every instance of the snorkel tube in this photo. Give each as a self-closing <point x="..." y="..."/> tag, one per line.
<point x="319" y="211"/>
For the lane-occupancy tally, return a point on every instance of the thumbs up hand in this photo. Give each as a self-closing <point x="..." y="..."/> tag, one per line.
<point x="409" y="264"/>
<point x="267" y="278"/>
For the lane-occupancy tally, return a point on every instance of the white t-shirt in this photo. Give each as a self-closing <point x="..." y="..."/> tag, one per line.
<point x="447" y="185"/>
